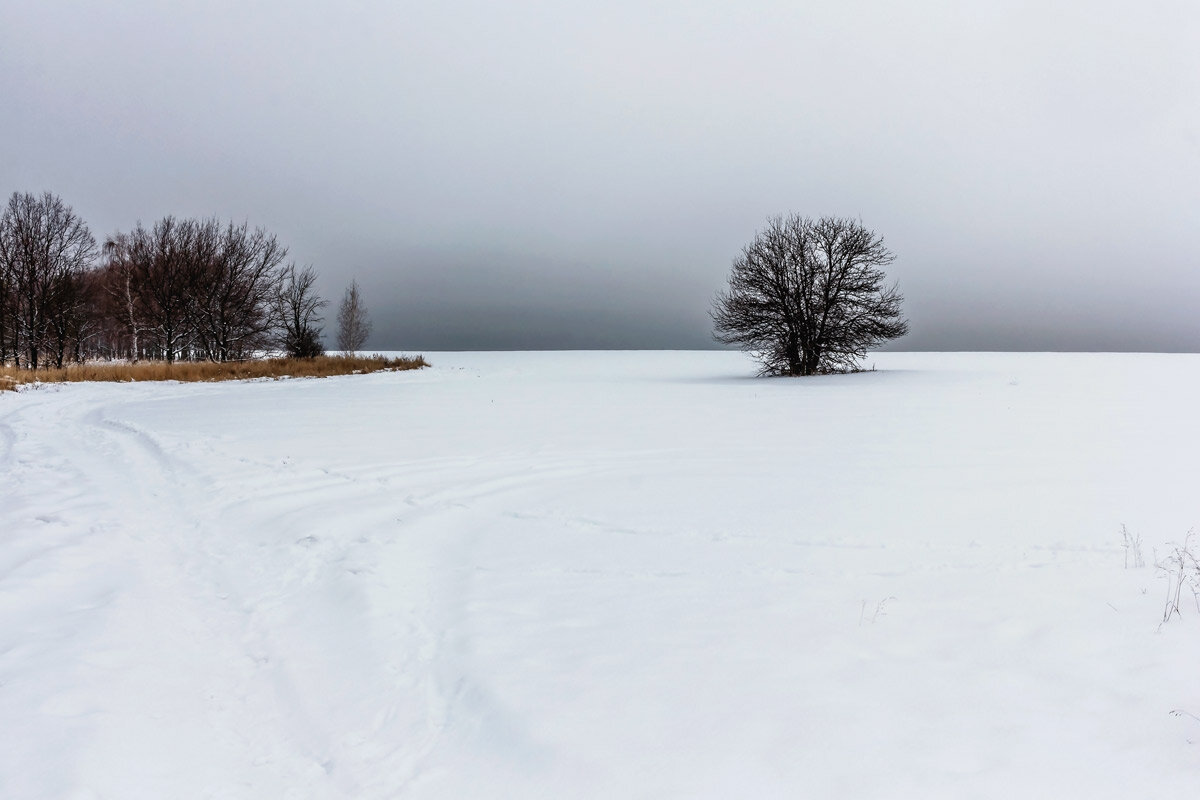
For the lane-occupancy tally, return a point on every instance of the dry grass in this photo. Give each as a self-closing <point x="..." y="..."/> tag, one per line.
<point x="189" y="371"/>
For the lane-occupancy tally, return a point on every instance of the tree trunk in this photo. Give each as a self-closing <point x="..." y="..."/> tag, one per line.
<point x="812" y="360"/>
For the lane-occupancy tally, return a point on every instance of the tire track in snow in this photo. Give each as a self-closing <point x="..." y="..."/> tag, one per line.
<point x="255" y="706"/>
<point x="135" y="562"/>
<point x="408" y="550"/>
<point x="312" y="617"/>
<point x="63" y="570"/>
<point x="284" y="558"/>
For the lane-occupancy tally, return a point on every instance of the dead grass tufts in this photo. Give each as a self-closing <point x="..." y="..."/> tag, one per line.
<point x="192" y="371"/>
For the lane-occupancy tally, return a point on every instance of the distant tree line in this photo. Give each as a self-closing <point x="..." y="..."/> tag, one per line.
<point x="182" y="289"/>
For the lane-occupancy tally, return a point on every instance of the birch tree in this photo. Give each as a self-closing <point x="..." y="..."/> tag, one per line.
<point x="353" y="326"/>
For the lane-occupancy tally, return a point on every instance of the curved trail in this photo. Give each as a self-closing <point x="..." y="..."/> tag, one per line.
<point x="256" y="611"/>
<point x="265" y="622"/>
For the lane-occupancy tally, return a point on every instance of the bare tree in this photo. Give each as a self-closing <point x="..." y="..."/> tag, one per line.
<point x="807" y="296"/>
<point x="73" y="317"/>
<point x="237" y="273"/>
<point x="122" y="302"/>
<point x="45" y="248"/>
<point x="182" y="289"/>
<point x="8" y="312"/>
<point x="195" y="288"/>
<point x="353" y="325"/>
<point x="164" y="277"/>
<point x="298" y="312"/>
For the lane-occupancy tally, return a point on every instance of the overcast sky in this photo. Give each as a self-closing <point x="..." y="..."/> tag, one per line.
<point x="580" y="174"/>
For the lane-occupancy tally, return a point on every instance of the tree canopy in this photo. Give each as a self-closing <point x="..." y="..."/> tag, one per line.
<point x="808" y="296"/>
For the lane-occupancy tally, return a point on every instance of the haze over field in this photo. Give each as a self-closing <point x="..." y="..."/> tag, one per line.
<point x="544" y="175"/>
<point x="582" y="575"/>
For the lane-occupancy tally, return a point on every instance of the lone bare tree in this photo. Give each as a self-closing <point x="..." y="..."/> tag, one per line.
<point x="353" y="325"/>
<point x="298" y="312"/>
<point x="807" y="296"/>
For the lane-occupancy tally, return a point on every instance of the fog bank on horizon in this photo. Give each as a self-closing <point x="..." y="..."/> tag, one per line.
<point x="561" y="176"/>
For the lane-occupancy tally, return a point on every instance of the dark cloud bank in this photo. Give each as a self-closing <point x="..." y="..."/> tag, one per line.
<point x="547" y="175"/>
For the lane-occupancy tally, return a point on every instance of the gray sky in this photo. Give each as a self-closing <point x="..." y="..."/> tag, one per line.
<point x="580" y="174"/>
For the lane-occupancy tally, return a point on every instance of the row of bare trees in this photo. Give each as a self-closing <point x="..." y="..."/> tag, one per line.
<point x="182" y="289"/>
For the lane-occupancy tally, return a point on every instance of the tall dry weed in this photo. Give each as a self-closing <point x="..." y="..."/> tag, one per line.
<point x="193" y="371"/>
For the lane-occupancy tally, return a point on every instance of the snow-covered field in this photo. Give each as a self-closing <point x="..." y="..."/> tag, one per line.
<point x="610" y="575"/>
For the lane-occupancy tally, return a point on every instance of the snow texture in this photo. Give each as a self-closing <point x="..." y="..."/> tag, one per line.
<point x="603" y="574"/>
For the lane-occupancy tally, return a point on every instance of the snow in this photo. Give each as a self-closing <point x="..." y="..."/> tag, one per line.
<point x="603" y="574"/>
